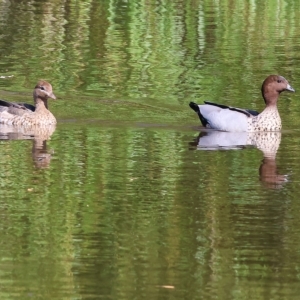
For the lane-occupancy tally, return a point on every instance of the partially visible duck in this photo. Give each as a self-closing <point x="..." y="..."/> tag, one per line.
<point x="23" y="114"/>
<point x="227" y="118"/>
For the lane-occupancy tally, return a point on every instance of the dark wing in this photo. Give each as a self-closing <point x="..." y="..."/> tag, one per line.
<point x="247" y="112"/>
<point x="16" y="108"/>
<point x="28" y="106"/>
<point x="252" y="112"/>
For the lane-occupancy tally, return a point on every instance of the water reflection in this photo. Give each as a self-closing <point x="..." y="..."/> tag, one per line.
<point x="40" y="154"/>
<point x="267" y="142"/>
<point x="39" y="136"/>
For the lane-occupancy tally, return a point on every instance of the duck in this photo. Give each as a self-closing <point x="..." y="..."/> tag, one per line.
<point x="226" y="118"/>
<point x="23" y="114"/>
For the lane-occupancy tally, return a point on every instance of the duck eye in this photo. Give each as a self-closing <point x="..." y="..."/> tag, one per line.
<point x="42" y="88"/>
<point x="279" y="80"/>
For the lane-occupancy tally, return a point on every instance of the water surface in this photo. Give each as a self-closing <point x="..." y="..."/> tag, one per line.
<point x="123" y="201"/>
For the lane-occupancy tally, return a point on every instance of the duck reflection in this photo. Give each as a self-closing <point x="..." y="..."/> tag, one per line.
<point x="40" y="155"/>
<point x="267" y="142"/>
<point x="39" y="136"/>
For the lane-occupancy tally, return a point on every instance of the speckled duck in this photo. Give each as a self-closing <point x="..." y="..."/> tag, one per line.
<point x="227" y="118"/>
<point x="23" y="114"/>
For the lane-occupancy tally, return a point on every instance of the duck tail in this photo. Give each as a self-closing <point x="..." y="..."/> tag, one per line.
<point x="194" y="106"/>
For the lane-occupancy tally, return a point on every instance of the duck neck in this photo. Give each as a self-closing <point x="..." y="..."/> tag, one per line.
<point x="271" y="106"/>
<point x="270" y="109"/>
<point x="271" y="98"/>
<point x="41" y="103"/>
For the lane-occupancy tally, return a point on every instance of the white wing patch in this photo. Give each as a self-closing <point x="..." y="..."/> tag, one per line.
<point x="224" y="119"/>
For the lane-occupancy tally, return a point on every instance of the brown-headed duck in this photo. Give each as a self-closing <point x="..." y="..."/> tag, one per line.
<point x="227" y="118"/>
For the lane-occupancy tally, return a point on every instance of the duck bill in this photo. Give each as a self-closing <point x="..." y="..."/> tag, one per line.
<point x="289" y="88"/>
<point x="52" y="96"/>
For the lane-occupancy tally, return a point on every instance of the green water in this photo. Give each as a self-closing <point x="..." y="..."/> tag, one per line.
<point x="122" y="202"/>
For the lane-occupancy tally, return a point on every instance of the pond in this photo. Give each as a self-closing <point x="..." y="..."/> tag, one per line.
<point x="128" y="197"/>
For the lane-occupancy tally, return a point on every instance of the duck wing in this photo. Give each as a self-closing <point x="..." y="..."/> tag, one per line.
<point x="15" y="108"/>
<point x="223" y="117"/>
<point x="247" y="112"/>
<point x="27" y="106"/>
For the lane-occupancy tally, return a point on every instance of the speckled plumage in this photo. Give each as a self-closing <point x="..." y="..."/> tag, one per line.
<point x="268" y="120"/>
<point x="39" y="132"/>
<point x="22" y="114"/>
<point x="226" y="118"/>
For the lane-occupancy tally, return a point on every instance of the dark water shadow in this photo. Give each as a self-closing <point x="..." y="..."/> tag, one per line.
<point x="267" y="142"/>
<point x="41" y="156"/>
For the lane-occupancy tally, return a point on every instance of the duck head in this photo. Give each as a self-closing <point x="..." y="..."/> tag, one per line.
<point x="43" y="90"/>
<point x="41" y="93"/>
<point x="271" y="88"/>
